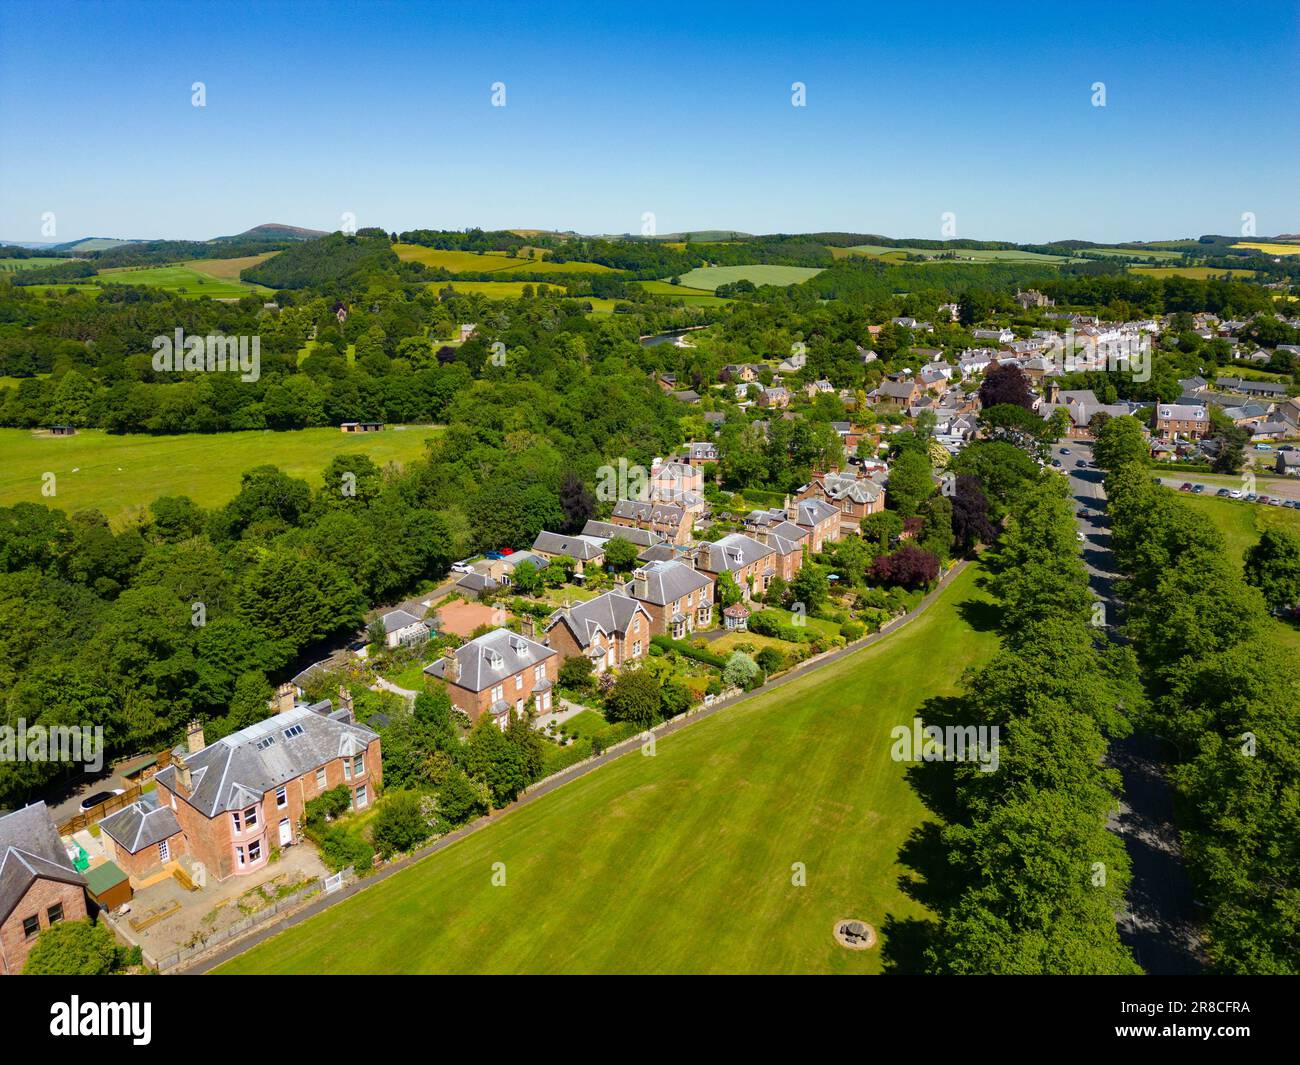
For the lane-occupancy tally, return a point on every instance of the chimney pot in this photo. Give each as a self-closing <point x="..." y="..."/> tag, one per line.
<point x="194" y="737"/>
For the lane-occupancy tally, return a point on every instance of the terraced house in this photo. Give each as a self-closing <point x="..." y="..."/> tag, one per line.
<point x="751" y="564"/>
<point x="39" y="886"/>
<point x="496" y="673"/>
<point x="609" y="630"/>
<point x="235" y="800"/>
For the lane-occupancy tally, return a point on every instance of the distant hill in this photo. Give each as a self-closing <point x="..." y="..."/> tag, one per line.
<point x="276" y="231"/>
<point x="86" y="244"/>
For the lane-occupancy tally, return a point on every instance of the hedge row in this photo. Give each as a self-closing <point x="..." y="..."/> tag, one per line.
<point x="700" y="654"/>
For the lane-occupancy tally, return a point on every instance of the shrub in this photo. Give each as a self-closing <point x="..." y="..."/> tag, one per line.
<point x="770" y="660"/>
<point x="328" y="805"/>
<point x="404" y="821"/>
<point x="852" y="630"/>
<point x="73" y="948"/>
<point x="742" y="671"/>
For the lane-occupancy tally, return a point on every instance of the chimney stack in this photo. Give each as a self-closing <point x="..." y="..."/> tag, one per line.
<point x="451" y="672"/>
<point x="183" y="781"/>
<point x="345" y="701"/>
<point x="640" y="584"/>
<point x="285" y="697"/>
<point x="527" y="626"/>
<point x="791" y="510"/>
<point x="194" y="737"/>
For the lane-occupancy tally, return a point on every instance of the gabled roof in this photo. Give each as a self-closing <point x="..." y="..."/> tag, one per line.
<point x="30" y="850"/>
<point x="607" y="614"/>
<point x="731" y="553"/>
<point x="604" y="530"/>
<point x="399" y="619"/>
<point x="578" y="548"/>
<point x="239" y="769"/>
<point x="491" y="658"/>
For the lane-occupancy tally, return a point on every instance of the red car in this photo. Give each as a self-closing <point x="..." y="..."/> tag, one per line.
<point x="1186" y="486"/>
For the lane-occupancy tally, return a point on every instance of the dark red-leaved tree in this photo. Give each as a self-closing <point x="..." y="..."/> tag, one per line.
<point x="1006" y="384"/>
<point x="909" y="567"/>
<point x="970" y="513"/>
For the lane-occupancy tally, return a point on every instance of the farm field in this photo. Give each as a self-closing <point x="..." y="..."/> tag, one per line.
<point x="710" y="277"/>
<point x="692" y="297"/>
<point x="181" y="280"/>
<point x="1198" y="273"/>
<point x="228" y="269"/>
<point x="10" y="265"/>
<point x="496" y="290"/>
<point x="979" y="255"/>
<point x="1270" y="249"/>
<point x="122" y="475"/>
<point x="1149" y="253"/>
<point x="468" y="262"/>
<point x="682" y="862"/>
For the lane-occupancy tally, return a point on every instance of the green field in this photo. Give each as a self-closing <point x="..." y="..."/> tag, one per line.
<point x="468" y="262"/>
<point x="496" y="290"/>
<point x="1242" y="524"/>
<point x="121" y="475"/>
<point x="979" y="255"/>
<point x="181" y="280"/>
<point x="1197" y="273"/>
<point x="709" y="278"/>
<point x="692" y="297"/>
<point x="682" y="862"/>
<point x="10" y="265"/>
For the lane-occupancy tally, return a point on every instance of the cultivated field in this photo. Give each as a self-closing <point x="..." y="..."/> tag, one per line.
<point x="468" y="262"/>
<point x="228" y="269"/>
<point x="979" y="255"/>
<point x="120" y="475"/>
<point x="1198" y="273"/>
<point x="496" y="290"/>
<point x="183" y="280"/>
<point x="710" y="277"/>
<point x="10" y="265"/>
<point x="682" y="862"/>
<point x="1271" y="249"/>
<point x="692" y="297"/>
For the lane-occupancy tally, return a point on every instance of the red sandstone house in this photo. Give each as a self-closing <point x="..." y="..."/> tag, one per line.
<point x="678" y="597"/>
<point x="609" y="630"/>
<point x="38" y="885"/>
<point x="496" y="673"/>
<point x="819" y="519"/>
<point x="852" y="496"/>
<point x="667" y="520"/>
<point x="751" y="564"/>
<point x="1181" y="421"/>
<point x="227" y="805"/>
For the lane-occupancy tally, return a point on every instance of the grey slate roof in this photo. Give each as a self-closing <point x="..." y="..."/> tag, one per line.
<point x="610" y="613"/>
<point x="239" y="769"/>
<point x="491" y="658"/>
<point x="142" y="824"/>
<point x="731" y="553"/>
<point x="603" y="530"/>
<point x="477" y="582"/>
<point x="654" y="513"/>
<point x="575" y="547"/>
<point x="666" y="582"/>
<point x="30" y="848"/>
<point x="399" y="619"/>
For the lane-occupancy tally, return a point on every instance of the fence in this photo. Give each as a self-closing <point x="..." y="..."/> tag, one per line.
<point x="246" y="924"/>
<point x="97" y="813"/>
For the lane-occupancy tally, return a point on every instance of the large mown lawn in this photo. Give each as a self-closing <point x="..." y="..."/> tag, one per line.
<point x="681" y="862"/>
<point x="122" y="475"/>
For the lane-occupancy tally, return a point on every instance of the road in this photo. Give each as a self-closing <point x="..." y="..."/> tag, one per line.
<point x="1160" y="926"/>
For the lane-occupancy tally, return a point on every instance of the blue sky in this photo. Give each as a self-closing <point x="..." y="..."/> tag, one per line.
<point x="913" y="110"/>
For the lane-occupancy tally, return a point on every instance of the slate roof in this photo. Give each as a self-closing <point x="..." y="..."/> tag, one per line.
<point x="731" y="553"/>
<point x="666" y="582"/>
<point x="142" y="824"/>
<point x="578" y="548"/>
<point x="237" y="770"/>
<point x="847" y="486"/>
<point x="477" y="582"/>
<point x="604" y="530"/>
<point x="654" y="513"/>
<point x="607" y="614"/>
<point x="30" y="849"/>
<point x="491" y="658"/>
<point x="399" y="619"/>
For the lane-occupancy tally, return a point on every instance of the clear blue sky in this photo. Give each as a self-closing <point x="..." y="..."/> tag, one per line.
<point x="912" y="110"/>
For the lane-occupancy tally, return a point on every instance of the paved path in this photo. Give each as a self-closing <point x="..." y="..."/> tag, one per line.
<point x="550" y="784"/>
<point x="1160" y="926"/>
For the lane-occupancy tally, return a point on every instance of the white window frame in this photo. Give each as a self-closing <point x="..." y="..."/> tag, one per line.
<point x="281" y="797"/>
<point x="164" y="851"/>
<point x="321" y="777"/>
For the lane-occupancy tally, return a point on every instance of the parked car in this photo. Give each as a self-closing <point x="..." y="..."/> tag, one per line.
<point x="493" y="555"/>
<point x="1186" y="486"/>
<point x="1222" y="492"/>
<point x="1236" y="493"/>
<point x="1263" y="447"/>
<point x="1276" y="501"/>
<point x="1057" y="463"/>
<point x="1081" y="462"/>
<point x="1250" y="497"/>
<point x="91" y="801"/>
<point x="1065" y="451"/>
<point x="1198" y="488"/>
<point x="462" y="567"/>
<point x="1081" y="537"/>
<point x="1287" y="447"/>
<point x="1261" y="499"/>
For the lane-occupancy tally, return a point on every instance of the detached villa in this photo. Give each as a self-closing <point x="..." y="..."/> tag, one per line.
<point x="610" y="629"/>
<point x="496" y="673"/>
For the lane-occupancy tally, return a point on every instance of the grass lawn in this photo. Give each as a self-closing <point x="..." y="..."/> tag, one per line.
<point x="411" y="675"/>
<point x="830" y="628"/>
<point x="682" y="862"/>
<point x="710" y="277"/>
<point x="122" y="475"/>
<point x="724" y="645"/>
<point x="1242" y="524"/>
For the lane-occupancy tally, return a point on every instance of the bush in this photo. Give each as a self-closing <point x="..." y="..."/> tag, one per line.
<point x="699" y="654"/>
<point x="852" y="630"/>
<point x="770" y="660"/>
<point x="73" y="948"/>
<point x="328" y="805"/>
<point x="340" y="848"/>
<point x="742" y="672"/>
<point x="402" y="822"/>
